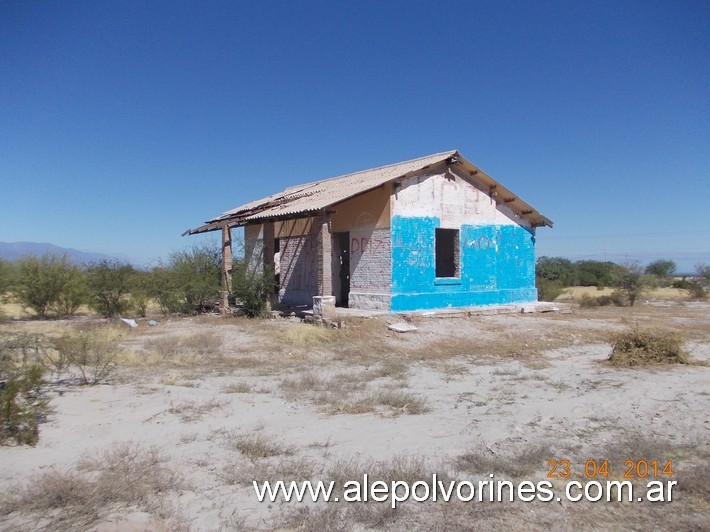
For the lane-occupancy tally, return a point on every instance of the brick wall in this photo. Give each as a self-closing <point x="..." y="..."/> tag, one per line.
<point x="299" y="273"/>
<point x="370" y="268"/>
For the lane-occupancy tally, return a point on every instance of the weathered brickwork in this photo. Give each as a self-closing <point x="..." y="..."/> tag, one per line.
<point x="299" y="269"/>
<point x="370" y="268"/>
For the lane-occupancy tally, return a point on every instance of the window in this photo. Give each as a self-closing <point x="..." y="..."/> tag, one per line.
<point x="447" y="252"/>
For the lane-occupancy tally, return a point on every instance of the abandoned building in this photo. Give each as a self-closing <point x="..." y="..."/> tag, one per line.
<point x="428" y="233"/>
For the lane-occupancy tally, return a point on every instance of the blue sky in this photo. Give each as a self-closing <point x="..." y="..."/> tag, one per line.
<point x="124" y="123"/>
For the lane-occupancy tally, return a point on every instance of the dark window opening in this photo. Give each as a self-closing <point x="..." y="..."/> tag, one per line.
<point x="447" y="252"/>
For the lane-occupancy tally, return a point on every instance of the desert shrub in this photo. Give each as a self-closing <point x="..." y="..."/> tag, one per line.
<point x="631" y="283"/>
<point x="520" y="465"/>
<point x="699" y="287"/>
<point x="555" y="269"/>
<point x="126" y="477"/>
<point x="194" y="276"/>
<point x="252" y="289"/>
<point x="73" y="294"/>
<point x="6" y="278"/>
<point x="48" y="281"/>
<point x="638" y="347"/>
<point x="164" y="289"/>
<point x="302" y="334"/>
<point x="140" y="291"/>
<point x="702" y="272"/>
<point x="697" y="291"/>
<point x="22" y="397"/>
<point x="548" y="290"/>
<point x="93" y="352"/>
<point x="615" y="298"/>
<point x="596" y="273"/>
<point x="663" y="270"/>
<point x="587" y="301"/>
<point x="109" y="284"/>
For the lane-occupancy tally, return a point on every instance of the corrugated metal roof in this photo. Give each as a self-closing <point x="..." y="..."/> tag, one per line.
<point x="318" y="195"/>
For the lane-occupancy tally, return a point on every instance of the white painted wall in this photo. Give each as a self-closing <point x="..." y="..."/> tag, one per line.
<point x="453" y="199"/>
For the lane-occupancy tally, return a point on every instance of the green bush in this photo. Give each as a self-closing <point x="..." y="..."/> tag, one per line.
<point x="48" y="283"/>
<point x="587" y="301"/>
<point x="252" y="289"/>
<point x="6" y="278"/>
<point x="195" y="277"/>
<point x="109" y="285"/>
<point x="697" y="291"/>
<point x="140" y="292"/>
<point x="663" y="270"/>
<point x="556" y="269"/>
<point x="548" y="290"/>
<point x="164" y="290"/>
<point x="93" y="352"/>
<point x="631" y="283"/>
<point x="682" y="284"/>
<point x="22" y="397"/>
<point x="596" y="273"/>
<point x="73" y="294"/>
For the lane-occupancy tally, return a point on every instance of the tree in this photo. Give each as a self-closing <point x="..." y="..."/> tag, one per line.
<point x="699" y="286"/>
<point x="597" y="273"/>
<point x="41" y="282"/>
<point x="109" y="283"/>
<point x="73" y="293"/>
<point x="163" y="289"/>
<point x="661" y="268"/>
<point x="556" y="269"/>
<point x="703" y="273"/>
<point x="140" y="291"/>
<point x="6" y="277"/>
<point x="196" y="276"/>
<point x="631" y="282"/>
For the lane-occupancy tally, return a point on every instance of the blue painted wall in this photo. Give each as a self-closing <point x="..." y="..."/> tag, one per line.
<point x="497" y="266"/>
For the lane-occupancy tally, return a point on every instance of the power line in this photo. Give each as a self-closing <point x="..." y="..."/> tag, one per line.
<point x="618" y="235"/>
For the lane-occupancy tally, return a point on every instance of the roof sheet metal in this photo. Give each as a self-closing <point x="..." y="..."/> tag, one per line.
<point x="318" y="195"/>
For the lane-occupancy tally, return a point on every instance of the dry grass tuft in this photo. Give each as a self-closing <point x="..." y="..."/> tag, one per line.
<point x="238" y="387"/>
<point x="401" y="402"/>
<point x="519" y="466"/>
<point x="260" y="470"/>
<point x="306" y="382"/>
<point x="184" y="350"/>
<point x="304" y="335"/>
<point x="638" y="347"/>
<point x="121" y="478"/>
<point x="192" y="412"/>
<point x="257" y="446"/>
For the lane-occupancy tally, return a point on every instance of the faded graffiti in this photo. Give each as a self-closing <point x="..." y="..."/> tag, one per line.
<point x="364" y="243"/>
<point x="370" y="261"/>
<point x="483" y="242"/>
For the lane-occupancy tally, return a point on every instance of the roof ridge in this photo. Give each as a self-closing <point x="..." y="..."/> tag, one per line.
<point x="312" y="183"/>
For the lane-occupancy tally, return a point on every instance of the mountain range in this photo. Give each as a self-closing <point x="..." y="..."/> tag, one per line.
<point x="12" y="251"/>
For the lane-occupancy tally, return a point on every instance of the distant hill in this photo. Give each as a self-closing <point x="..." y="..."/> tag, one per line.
<point x="12" y="251"/>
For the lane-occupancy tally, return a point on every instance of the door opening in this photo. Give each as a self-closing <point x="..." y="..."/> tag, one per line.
<point x="343" y="259"/>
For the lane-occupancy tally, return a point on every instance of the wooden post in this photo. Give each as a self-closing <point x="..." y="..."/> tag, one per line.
<point x="226" y="270"/>
<point x="268" y="247"/>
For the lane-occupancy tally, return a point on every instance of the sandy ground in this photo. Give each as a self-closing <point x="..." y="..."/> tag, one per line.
<point x="225" y="401"/>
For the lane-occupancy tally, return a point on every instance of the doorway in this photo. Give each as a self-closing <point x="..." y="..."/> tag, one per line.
<point x="342" y="257"/>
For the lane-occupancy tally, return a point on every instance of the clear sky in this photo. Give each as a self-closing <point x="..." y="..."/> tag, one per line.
<point x="123" y="123"/>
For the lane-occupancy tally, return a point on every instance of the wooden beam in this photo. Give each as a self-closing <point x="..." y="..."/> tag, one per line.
<point x="226" y="270"/>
